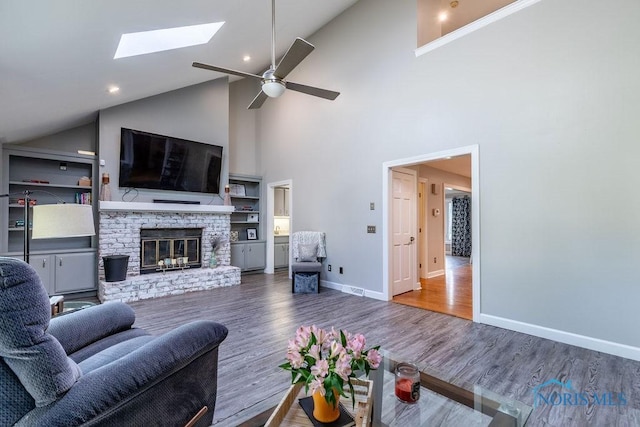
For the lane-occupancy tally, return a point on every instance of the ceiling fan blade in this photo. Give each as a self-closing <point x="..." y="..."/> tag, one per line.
<point x="258" y="101"/>
<point x="298" y="50"/>
<point x="315" y="91"/>
<point x="225" y="70"/>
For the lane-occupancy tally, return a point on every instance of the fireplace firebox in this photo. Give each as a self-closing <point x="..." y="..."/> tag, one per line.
<point x="164" y="249"/>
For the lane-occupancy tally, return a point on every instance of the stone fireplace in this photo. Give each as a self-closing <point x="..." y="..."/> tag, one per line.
<point x="167" y="231"/>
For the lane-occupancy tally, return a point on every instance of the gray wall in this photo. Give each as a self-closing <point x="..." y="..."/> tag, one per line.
<point x="243" y="147"/>
<point x="550" y="94"/>
<point x="199" y="113"/>
<point x="70" y="140"/>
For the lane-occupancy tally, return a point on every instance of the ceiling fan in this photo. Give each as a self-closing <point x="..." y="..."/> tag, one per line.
<point x="272" y="80"/>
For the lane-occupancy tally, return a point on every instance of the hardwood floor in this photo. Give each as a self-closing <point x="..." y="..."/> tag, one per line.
<point x="450" y="293"/>
<point x="262" y="315"/>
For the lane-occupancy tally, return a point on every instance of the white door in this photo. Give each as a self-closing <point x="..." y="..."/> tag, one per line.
<point x="403" y="220"/>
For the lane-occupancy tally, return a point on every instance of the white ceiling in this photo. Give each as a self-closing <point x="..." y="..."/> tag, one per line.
<point x="56" y="57"/>
<point x="460" y="165"/>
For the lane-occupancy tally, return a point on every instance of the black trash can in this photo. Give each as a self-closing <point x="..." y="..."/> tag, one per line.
<point x="115" y="267"/>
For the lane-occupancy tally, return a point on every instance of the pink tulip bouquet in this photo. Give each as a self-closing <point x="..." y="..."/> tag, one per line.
<point x="325" y="360"/>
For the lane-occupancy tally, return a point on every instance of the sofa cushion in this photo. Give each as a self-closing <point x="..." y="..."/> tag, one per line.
<point x="306" y="267"/>
<point x="35" y="356"/>
<point x="307" y="253"/>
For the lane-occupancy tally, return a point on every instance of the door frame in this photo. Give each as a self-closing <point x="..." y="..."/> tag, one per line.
<point x="473" y="150"/>
<point x="423" y="208"/>
<point x="269" y="216"/>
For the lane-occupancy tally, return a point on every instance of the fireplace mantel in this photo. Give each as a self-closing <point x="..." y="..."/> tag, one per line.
<point x="163" y="207"/>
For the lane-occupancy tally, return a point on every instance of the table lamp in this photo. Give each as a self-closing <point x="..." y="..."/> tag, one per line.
<point x="55" y="221"/>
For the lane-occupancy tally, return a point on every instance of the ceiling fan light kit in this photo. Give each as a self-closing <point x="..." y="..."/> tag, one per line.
<point x="273" y="88"/>
<point x="272" y="80"/>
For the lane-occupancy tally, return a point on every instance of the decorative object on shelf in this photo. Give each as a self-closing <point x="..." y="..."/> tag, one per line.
<point x="233" y="236"/>
<point x="84" y="181"/>
<point x="217" y="242"/>
<point x="237" y="190"/>
<point x="105" y="189"/>
<point x="253" y="218"/>
<point x="326" y="361"/>
<point x="55" y="221"/>
<point x="252" y="234"/>
<point x="407" y="385"/>
<point x="227" y="196"/>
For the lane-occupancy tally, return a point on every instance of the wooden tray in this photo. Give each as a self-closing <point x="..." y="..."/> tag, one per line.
<point x="290" y="413"/>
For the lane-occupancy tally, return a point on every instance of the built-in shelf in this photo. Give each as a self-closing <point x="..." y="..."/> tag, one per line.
<point x="246" y="197"/>
<point x="40" y="184"/>
<point x="65" y="266"/>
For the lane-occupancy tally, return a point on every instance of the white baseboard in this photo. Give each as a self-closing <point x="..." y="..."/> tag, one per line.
<point x="590" y="343"/>
<point x="345" y="288"/>
<point x="435" y="274"/>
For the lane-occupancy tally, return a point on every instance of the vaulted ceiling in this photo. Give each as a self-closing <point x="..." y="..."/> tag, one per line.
<point x="56" y="57"/>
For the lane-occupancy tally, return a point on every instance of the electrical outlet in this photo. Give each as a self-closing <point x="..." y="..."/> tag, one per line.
<point x="341" y="270"/>
<point x="329" y="267"/>
<point x="63" y="166"/>
<point x="372" y="206"/>
<point x="371" y="228"/>
<point x="434" y="260"/>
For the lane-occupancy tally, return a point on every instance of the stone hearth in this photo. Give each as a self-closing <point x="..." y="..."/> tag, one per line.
<point x="120" y="224"/>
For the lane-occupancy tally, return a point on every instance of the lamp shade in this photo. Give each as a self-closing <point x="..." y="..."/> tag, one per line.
<point x="62" y="220"/>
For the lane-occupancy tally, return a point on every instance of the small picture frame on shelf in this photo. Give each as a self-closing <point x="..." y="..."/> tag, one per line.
<point x="237" y="190"/>
<point x="253" y="217"/>
<point x="252" y="234"/>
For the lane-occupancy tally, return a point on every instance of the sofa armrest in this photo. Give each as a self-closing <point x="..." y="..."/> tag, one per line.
<point x="101" y="393"/>
<point x="83" y="327"/>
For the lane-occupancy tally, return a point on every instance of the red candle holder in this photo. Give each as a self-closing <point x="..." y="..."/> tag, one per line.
<point x="407" y="383"/>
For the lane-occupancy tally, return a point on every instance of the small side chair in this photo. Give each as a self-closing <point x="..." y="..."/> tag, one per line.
<point x="308" y="252"/>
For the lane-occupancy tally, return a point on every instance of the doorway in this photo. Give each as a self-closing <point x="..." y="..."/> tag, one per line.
<point x="439" y="268"/>
<point x="279" y="215"/>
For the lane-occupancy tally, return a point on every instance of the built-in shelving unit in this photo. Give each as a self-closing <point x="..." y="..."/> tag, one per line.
<point x="249" y="250"/>
<point x="64" y="265"/>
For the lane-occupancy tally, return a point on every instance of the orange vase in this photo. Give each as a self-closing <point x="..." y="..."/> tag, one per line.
<point x="324" y="411"/>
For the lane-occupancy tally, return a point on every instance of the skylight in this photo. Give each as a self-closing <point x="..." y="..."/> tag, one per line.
<point x="144" y="42"/>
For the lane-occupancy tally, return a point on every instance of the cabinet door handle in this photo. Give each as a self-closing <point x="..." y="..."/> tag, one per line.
<point x="60" y="262"/>
<point x="44" y="263"/>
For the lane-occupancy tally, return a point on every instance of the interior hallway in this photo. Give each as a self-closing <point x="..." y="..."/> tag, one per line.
<point x="450" y="293"/>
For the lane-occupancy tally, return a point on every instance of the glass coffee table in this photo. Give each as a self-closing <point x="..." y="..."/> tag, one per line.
<point x="443" y="402"/>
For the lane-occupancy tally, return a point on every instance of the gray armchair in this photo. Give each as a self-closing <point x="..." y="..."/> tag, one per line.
<point x="91" y="367"/>
<point x="308" y="252"/>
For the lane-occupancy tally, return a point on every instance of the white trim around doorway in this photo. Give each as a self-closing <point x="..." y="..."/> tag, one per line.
<point x="269" y="215"/>
<point x="473" y="150"/>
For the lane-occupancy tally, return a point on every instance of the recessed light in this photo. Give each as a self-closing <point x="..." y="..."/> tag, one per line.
<point x="246" y="58"/>
<point x="144" y="42"/>
<point x="443" y="16"/>
<point x="447" y="158"/>
<point x="88" y="153"/>
<point x="113" y="89"/>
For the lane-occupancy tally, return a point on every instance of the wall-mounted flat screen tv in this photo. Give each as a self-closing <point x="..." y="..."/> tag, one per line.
<point x="162" y="162"/>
